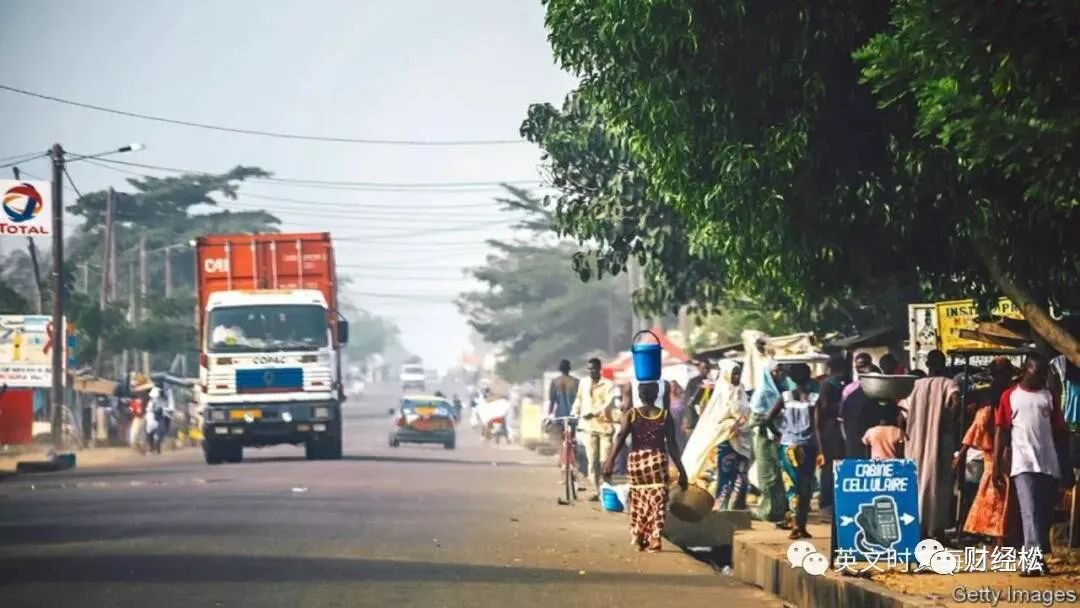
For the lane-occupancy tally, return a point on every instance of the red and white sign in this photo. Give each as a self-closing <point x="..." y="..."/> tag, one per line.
<point x="25" y="208"/>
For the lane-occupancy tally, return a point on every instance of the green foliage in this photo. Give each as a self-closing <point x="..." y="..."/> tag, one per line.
<point x="805" y="176"/>
<point x="536" y="307"/>
<point x="989" y="123"/>
<point x="169" y="212"/>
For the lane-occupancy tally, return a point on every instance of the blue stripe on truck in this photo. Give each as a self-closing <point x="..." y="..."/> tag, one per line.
<point x="269" y="380"/>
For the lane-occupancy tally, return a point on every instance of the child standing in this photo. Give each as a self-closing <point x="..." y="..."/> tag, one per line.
<point x="652" y="434"/>
<point x="886" y="440"/>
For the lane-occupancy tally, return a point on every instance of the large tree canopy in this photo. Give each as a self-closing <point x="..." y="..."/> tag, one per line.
<point x="800" y="182"/>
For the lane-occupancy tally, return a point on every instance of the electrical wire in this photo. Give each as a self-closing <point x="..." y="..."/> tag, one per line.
<point x="426" y="191"/>
<point x="262" y="133"/>
<point x="323" y="182"/>
<point x="21" y="158"/>
<point x="72" y="182"/>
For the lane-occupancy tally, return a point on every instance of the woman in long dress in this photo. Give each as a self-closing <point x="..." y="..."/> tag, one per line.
<point x="773" y="504"/>
<point x="735" y="442"/>
<point x="986" y="517"/>
<point x="652" y="433"/>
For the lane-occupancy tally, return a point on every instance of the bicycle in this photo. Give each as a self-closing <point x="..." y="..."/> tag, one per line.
<point x="568" y="455"/>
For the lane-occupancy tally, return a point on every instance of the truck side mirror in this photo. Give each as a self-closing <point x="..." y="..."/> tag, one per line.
<point x="343" y="331"/>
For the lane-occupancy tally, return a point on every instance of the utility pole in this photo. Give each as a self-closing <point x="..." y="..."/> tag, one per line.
<point x="142" y="297"/>
<point x="168" y="272"/>
<point x="133" y="316"/>
<point x="59" y="335"/>
<point x="108" y="268"/>
<point x="84" y="267"/>
<point x="39" y="301"/>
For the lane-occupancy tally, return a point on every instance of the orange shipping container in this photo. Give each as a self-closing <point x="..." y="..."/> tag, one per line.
<point x="243" y="262"/>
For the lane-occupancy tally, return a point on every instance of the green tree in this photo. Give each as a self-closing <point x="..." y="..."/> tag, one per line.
<point x="752" y="120"/>
<point x="537" y="307"/>
<point x="169" y="213"/>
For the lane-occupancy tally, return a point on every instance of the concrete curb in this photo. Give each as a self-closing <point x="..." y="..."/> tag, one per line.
<point x="760" y="566"/>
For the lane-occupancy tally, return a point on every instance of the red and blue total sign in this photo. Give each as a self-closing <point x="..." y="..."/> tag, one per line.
<point x="26" y="208"/>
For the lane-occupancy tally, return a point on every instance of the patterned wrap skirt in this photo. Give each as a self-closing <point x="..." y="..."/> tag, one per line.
<point x="649" y="480"/>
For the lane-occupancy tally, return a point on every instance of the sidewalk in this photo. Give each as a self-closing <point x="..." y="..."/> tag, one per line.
<point x="85" y="457"/>
<point x="760" y="558"/>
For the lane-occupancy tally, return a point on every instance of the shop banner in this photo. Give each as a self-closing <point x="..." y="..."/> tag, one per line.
<point x="952" y="317"/>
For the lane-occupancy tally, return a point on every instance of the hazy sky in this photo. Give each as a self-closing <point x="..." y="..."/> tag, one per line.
<point x="389" y="69"/>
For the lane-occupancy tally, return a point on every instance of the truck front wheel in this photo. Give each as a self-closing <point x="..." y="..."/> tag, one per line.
<point x="213" y="452"/>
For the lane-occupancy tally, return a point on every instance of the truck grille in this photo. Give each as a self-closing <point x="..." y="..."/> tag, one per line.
<point x="276" y="380"/>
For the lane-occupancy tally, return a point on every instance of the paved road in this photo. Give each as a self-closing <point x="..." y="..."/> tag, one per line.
<point x="412" y="526"/>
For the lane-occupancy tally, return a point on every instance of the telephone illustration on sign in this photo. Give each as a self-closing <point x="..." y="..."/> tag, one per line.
<point x="878" y="523"/>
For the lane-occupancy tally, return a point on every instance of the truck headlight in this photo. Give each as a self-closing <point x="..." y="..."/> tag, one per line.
<point x="218" y="415"/>
<point x="321" y="412"/>
<point x="286" y="417"/>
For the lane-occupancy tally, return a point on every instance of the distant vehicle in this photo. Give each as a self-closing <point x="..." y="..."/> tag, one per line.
<point x="270" y="341"/>
<point x="424" y="419"/>
<point x="413" y="377"/>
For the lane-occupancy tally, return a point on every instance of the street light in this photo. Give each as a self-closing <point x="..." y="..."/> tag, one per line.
<point x="59" y="337"/>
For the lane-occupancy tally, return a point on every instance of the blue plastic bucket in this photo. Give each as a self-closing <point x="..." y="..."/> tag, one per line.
<point x="646" y="358"/>
<point x="610" y="500"/>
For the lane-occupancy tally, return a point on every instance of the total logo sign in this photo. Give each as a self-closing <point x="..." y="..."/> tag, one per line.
<point x="27" y="208"/>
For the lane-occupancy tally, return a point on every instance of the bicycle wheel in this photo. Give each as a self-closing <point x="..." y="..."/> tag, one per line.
<point x="568" y="484"/>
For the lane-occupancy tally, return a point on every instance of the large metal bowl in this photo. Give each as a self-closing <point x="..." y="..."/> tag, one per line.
<point x="887" y="387"/>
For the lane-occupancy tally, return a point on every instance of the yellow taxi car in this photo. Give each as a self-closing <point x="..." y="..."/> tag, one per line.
<point x="424" y="419"/>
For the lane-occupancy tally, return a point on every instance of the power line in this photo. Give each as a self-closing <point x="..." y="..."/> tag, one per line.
<point x="390" y="206"/>
<point x="21" y="158"/>
<point x="72" y="182"/>
<point x="262" y="133"/>
<point x="472" y="186"/>
<point x="404" y="214"/>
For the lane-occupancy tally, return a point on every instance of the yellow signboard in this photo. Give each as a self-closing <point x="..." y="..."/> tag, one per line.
<point x="952" y="317"/>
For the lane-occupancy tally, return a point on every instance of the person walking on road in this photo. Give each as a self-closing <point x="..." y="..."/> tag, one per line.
<point x="832" y="436"/>
<point x="137" y="431"/>
<point x="1030" y="424"/>
<point x="800" y="440"/>
<point x="987" y="513"/>
<point x="594" y="405"/>
<point x="773" y="504"/>
<point x="652" y="438"/>
<point x="735" y="440"/>
<point x="930" y="410"/>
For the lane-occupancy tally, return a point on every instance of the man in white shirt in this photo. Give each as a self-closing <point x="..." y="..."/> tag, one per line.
<point x="595" y="406"/>
<point x="1030" y="423"/>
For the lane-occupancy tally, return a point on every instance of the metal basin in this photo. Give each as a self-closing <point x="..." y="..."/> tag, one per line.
<point x="887" y="387"/>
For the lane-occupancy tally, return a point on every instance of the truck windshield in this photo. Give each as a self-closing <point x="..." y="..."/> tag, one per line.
<point x="245" y="329"/>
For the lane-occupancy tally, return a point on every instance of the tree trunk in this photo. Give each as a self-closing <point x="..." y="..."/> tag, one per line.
<point x="1034" y="313"/>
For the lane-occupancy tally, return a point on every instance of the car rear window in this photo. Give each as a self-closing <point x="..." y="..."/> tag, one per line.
<point x="412" y="404"/>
